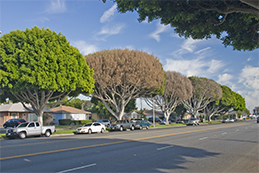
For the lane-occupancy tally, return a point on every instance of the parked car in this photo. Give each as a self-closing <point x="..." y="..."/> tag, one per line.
<point x="228" y="120"/>
<point x="156" y="119"/>
<point x="91" y="127"/>
<point x="193" y="121"/>
<point x="170" y="120"/>
<point x="105" y="122"/>
<point x="30" y="129"/>
<point x="235" y="120"/>
<point x="257" y="119"/>
<point x="140" y="124"/>
<point x="13" y="122"/>
<point x="179" y="122"/>
<point x="122" y="125"/>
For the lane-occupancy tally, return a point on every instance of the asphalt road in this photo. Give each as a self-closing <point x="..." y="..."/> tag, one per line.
<point x="231" y="147"/>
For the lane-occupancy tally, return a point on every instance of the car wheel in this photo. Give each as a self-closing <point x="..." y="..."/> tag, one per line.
<point x="121" y="128"/>
<point x="102" y="131"/>
<point x="132" y="128"/>
<point x="140" y="127"/>
<point x="22" y="135"/>
<point x="89" y="131"/>
<point x="147" y="127"/>
<point x="47" y="133"/>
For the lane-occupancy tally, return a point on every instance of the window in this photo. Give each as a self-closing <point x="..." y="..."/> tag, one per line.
<point x="31" y="125"/>
<point x="14" y="115"/>
<point x="37" y="124"/>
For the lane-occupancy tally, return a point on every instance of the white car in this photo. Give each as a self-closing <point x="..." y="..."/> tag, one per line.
<point x="91" y="127"/>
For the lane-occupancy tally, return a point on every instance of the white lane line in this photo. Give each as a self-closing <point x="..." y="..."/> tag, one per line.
<point x="224" y="133"/>
<point x="165" y="147"/>
<point x="73" y="169"/>
<point x="237" y="130"/>
<point x="27" y="160"/>
<point x="203" y="138"/>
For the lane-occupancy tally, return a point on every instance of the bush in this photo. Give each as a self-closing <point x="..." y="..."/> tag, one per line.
<point x="64" y="121"/>
<point x="85" y="121"/>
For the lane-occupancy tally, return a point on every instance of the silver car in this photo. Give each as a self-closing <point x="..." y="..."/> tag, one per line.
<point x="193" y="121"/>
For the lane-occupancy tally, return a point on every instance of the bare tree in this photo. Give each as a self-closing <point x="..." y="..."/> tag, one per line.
<point x="177" y="88"/>
<point x="204" y="91"/>
<point x="121" y="75"/>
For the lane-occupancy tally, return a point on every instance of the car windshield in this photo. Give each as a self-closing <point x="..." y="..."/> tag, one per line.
<point x="22" y="125"/>
<point x="99" y="121"/>
<point x="88" y="124"/>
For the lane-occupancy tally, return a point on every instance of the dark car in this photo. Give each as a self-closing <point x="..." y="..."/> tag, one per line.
<point x="156" y="119"/>
<point x="257" y="119"/>
<point x="140" y="124"/>
<point x="13" y="122"/>
<point x="170" y="120"/>
<point x="105" y="122"/>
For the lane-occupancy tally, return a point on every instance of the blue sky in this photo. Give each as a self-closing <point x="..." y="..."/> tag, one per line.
<point x="91" y="25"/>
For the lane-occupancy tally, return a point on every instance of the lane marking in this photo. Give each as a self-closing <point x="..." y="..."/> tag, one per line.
<point x="111" y="143"/>
<point x="237" y="130"/>
<point x="162" y="148"/>
<point x="73" y="169"/>
<point x="224" y="133"/>
<point x="203" y="138"/>
<point x="27" y="160"/>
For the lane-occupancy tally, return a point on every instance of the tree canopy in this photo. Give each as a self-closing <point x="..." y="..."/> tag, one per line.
<point x="235" y="22"/>
<point x="177" y="88"/>
<point x="38" y="65"/>
<point x="204" y="91"/>
<point x="122" y="75"/>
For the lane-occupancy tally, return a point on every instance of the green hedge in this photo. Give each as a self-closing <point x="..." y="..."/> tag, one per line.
<point x="73" y="122"/>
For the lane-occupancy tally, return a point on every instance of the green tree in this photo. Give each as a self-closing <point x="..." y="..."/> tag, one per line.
<point x="38" y="66"/>
<point x="223" y="105"/>
<point x="204" y="91"/>
<point x="235" y="22"/>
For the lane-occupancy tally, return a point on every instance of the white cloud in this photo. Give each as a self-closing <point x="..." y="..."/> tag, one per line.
<point x="107" y="31"/>
<point x="188" y="46"/>
<point x="194" y="67"/>
<point x="84" y="48"/>
<point x="249" y="59"/>
<point x="160" y="29"/>
<point x="107" y="15"/>
<point x="225" y="79"/>
<point x="56" y="6"/>
<point x="202" y="50"/>
<point x="250" y="77"/>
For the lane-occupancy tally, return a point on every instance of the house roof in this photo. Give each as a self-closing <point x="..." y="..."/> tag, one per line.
<point x="13" y="107"/>
<point x="16" y="107"/>
<point x="68" y="109"/>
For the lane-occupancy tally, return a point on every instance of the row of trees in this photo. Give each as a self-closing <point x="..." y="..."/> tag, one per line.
<point x="39" y="67"/>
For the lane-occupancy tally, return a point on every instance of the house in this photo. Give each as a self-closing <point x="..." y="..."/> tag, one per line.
<point x="16" y="110"/>
<point x="132" y="115"/>
<point x="149" y="114"/>
<point x="67" y="112"/>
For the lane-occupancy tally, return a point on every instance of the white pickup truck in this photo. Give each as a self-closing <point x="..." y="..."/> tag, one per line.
<point x="30" y="129"/>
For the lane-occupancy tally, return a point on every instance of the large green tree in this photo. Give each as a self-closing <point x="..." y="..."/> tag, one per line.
<point x="235" y="22"/>
<point x="223" y="105"/>
<point x="122" y="75"/>
<point x="204" y="91"/>
<point x="38" y="66"/>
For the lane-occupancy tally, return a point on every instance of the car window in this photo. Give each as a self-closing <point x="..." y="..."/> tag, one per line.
<point x="105" y="120"/>
<point x="97" y="124"/>
<point x="37" y="124"/>
<point x="31" y="125"/>
<point x="88" y="124"/>
<point x="23" y="125"/>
